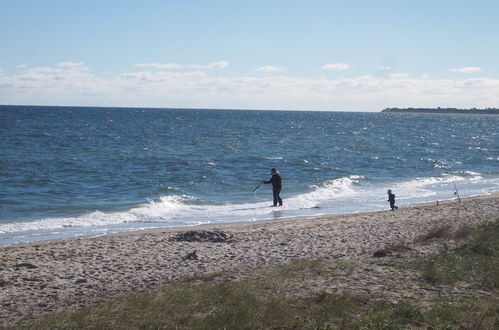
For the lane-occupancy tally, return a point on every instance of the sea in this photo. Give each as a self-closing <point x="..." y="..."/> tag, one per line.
<point x="88" y="171"/>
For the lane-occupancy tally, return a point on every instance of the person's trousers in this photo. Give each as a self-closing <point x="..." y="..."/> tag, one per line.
<point x="277" y="198"/>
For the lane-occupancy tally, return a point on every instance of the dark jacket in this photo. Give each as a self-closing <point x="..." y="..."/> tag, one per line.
<point x="391" y="198"/>
<point x="275" y="180"/>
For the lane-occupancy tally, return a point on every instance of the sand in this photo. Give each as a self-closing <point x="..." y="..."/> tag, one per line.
<point x="42" y="277"/>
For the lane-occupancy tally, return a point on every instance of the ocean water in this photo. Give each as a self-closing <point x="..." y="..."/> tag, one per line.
<point x="81" y="171"/>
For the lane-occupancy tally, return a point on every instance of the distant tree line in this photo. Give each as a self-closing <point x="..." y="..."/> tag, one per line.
<point x="487" y="111"/>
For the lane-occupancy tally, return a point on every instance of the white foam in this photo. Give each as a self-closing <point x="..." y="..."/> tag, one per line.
<point x="186" y="209"/>
<point x="332" y="189"/>
<point x="93" y="219"/>
<point x="165" y="205"/>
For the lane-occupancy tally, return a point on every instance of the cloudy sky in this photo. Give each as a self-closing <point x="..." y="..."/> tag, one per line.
<point x="305" y="55"/>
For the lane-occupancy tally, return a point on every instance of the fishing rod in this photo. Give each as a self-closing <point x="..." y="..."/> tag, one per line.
<point x="455" y="190"/>
<point x="259" y="185"/>
<point x="456" y="193"/>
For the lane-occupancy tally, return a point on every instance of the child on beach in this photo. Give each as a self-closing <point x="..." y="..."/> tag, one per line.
<point x="391" y="199"/>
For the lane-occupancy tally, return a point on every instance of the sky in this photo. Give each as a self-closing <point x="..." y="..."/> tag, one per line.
<point x="289" y="55"/>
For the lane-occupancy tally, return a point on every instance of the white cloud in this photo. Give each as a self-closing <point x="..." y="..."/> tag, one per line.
<point x="69" y="85"/>
<point x="336" y="67"/>
<point x="21" y="66"/>
<point x="158" y="77"/>
<point x="159" y="65"/>
<point x="169" y="66"/>
<point x="215" y="65"/>
<point x="467" y="69"/>
<point x="269" y="69"/>
<point x="398" y="76"/>
<point x="70" y="64"/>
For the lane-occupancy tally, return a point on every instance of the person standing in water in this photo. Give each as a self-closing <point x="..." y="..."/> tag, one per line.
<point x="276" y="186"/>
<point x="391" y="199"/>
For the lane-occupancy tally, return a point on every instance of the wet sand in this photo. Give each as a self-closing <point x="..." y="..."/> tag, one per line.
<point x="42" y="277"/>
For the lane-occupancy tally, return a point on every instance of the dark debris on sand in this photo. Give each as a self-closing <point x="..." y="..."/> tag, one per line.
<point x="216" y="236"/>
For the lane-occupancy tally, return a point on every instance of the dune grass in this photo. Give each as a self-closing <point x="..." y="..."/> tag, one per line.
<point x="277" y="299"/>
<point x="476" y="261"/>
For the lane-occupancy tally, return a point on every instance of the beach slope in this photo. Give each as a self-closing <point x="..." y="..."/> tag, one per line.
<point x="42" y="277"/>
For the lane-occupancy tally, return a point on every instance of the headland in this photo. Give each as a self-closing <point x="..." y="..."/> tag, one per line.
<point x="486" y="111"/>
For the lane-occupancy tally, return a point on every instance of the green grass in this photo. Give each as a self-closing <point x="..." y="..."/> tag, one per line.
<point x="277" y="299"/>
<point x="232" y="306"/>
<point x="476" y="261"/>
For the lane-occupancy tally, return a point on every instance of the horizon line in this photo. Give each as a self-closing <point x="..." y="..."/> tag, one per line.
<point x="178" y="108"/>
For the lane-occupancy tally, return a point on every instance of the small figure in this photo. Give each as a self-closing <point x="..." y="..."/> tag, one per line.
<point x="391" y="199"/>
<point x="276" y="186"/>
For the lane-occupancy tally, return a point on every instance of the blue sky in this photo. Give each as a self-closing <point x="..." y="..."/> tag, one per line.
<point x="307" y="55"/>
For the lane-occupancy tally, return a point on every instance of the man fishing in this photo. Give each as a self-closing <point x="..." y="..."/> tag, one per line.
<point x="276" y="186"/>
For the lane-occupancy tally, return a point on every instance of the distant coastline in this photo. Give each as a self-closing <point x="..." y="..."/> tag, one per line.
<point x="487" y="111"/>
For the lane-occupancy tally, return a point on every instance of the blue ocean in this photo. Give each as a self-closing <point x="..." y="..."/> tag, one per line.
<point x="83" y="171"/>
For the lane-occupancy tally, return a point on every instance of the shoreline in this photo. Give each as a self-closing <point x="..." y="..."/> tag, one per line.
<point x="46" y="276"/>
<point x="271" y="217"/>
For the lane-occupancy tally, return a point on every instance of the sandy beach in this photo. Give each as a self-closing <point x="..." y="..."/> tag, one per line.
<point x="42" y="277"/>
